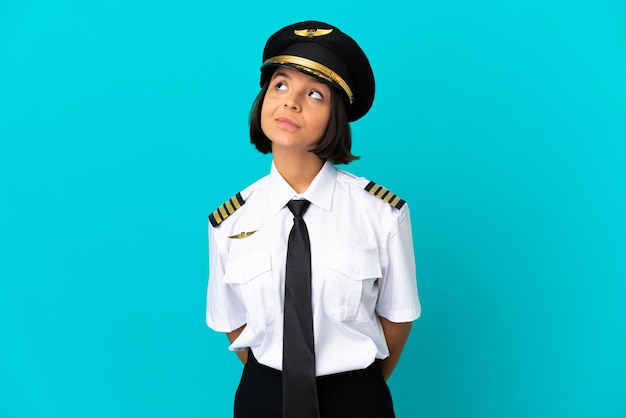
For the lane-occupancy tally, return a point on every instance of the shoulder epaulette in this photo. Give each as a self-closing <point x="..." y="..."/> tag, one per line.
<point x="227" y="209"/>
<point x="384" y="194"/>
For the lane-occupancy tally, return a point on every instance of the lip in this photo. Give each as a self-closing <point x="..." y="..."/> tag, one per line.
<point x="287" y="123"/>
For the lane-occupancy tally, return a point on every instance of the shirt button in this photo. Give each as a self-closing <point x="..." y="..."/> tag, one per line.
<point x="356" y="271"/>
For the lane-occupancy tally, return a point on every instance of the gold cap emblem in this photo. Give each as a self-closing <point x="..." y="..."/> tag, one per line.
<point x="311" y="33"/>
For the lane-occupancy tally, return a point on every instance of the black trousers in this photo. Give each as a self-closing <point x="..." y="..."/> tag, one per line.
<point x="360" y="393"/>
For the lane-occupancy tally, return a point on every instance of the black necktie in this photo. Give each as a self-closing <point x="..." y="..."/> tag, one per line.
<point x="299" y="389"/>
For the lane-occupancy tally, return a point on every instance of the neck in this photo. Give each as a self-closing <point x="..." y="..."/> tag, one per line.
<point x="298" y="169"/>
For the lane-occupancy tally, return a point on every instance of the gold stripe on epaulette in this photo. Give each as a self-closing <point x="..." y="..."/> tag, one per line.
<point x="384" y="194"/>
<point x="227" y="209"/>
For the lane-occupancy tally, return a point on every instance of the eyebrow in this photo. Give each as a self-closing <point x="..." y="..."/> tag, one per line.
<point x="282" y="74"/>
<point x="279" y="74"/>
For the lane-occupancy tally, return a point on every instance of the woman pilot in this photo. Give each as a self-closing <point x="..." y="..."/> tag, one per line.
<point x="312" y="271"/>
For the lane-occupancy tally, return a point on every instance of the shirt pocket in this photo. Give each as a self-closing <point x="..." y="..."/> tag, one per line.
<point x="350" y="285"/>
<point x="251" y="278"/>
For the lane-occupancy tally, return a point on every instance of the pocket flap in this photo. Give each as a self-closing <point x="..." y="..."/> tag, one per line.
<point x="243" y="269"/>
<point x="355" y="264"/>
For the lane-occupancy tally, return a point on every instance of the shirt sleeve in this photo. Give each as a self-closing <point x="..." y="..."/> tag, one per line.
<point x="224" y="310"/>
<point x="398" y="299"/>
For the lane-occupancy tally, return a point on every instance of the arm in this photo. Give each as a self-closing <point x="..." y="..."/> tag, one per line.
<point x="396" y="334"/>
<point x="398" y="304"/>
<point x="224" y="310"/>
<point x="232" y="336"/>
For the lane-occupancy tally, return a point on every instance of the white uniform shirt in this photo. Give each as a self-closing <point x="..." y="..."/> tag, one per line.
<point x="362" y="265"/>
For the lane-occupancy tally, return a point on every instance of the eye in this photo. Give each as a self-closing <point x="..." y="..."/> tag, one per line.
<point x="280" y="86"/>
<point x="316" y="95"/>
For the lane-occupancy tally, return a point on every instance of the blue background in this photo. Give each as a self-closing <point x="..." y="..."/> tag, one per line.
<point x="124" y="123"/>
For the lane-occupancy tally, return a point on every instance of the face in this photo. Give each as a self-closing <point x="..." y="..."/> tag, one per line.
<point x="295" y="111"/>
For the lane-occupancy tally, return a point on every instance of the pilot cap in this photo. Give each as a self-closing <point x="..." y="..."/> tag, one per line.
<point x="323" y="51"/>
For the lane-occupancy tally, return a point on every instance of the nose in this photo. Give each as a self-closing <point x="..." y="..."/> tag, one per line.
<point x="291" y="102"/>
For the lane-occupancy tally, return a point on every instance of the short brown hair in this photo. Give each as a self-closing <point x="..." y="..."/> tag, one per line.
<point x="334" y="146"/>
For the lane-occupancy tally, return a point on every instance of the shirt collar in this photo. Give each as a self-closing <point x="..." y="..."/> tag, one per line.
<point x="319" y="193"/>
